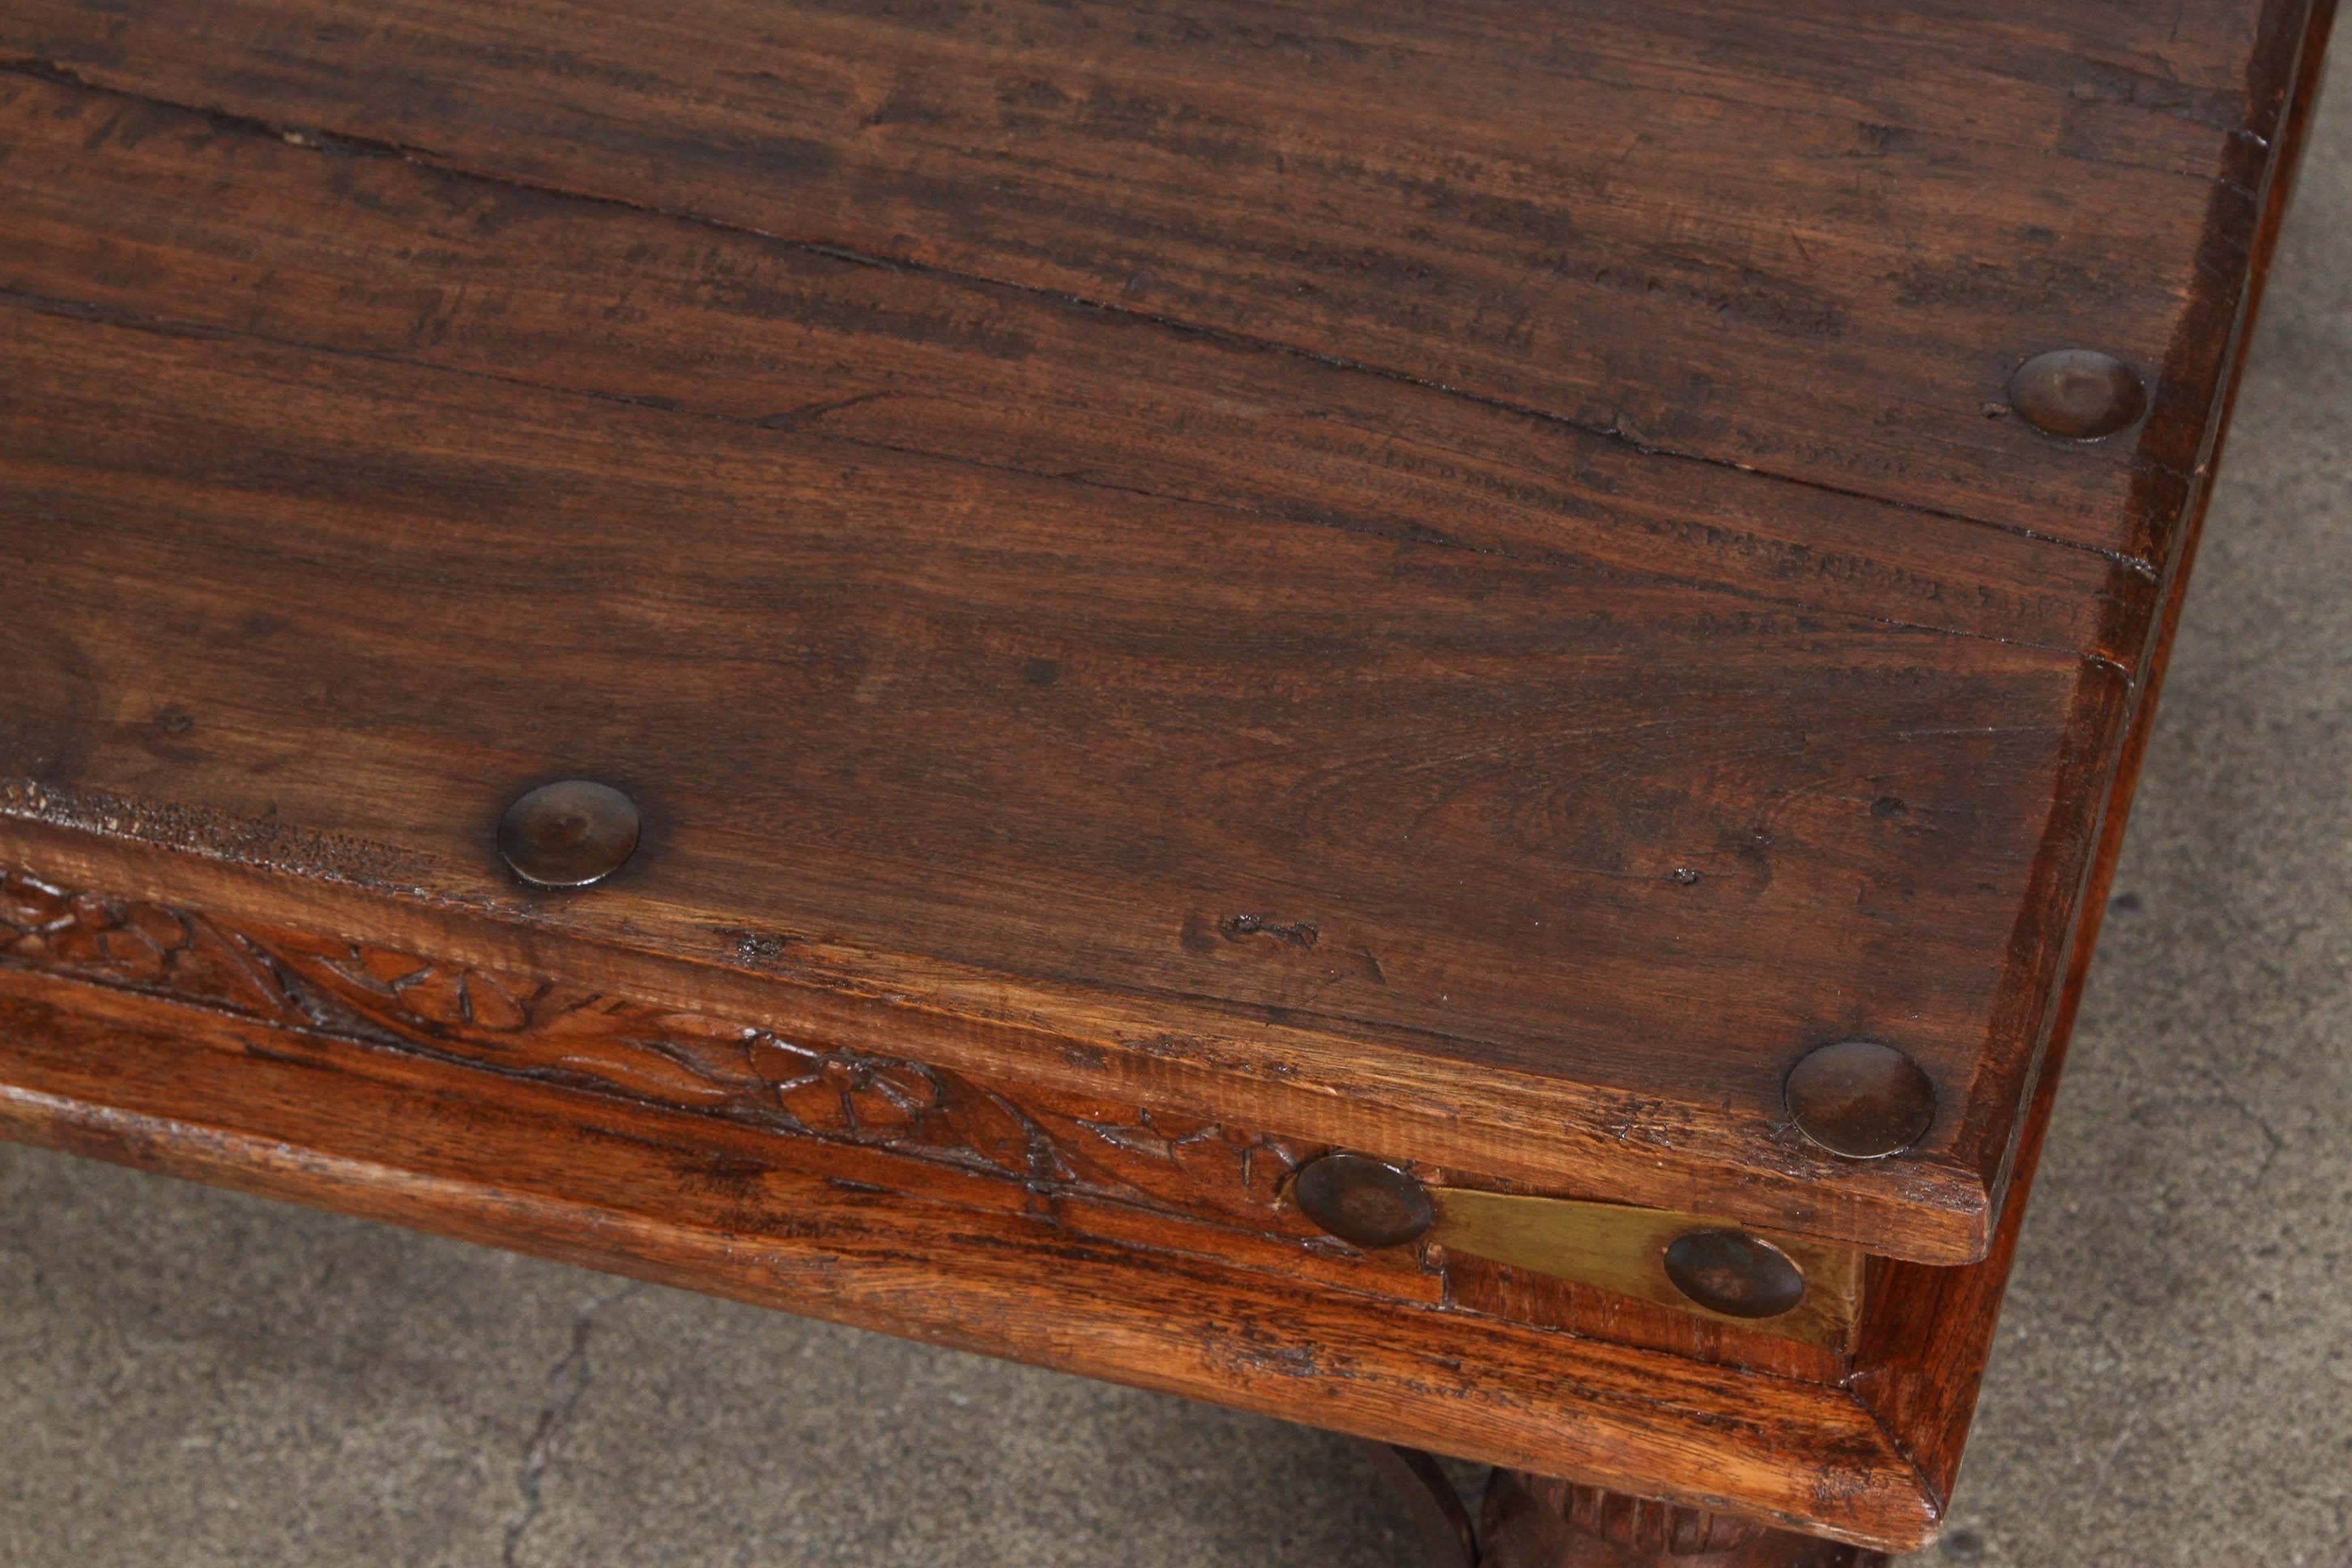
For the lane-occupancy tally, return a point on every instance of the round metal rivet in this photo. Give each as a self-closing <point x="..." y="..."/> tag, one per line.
<point x="1362" y="1200"/>
<point x="1734" y="1273"/>
<point x="2080" y="394"/>
<point x="1860" y="1098"/>
<point x="569" y="835"/>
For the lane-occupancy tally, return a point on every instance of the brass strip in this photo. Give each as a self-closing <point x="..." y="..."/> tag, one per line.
<point x="1620" y="1249"/>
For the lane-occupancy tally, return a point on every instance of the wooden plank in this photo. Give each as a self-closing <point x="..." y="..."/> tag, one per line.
<point x="1101" y="1167"/>
<point x="1398" y="897"/>
<point x="175" y="1088"/>
<point x="1104" y="1168"/>
<point x="1432" y="577"/>
<point x="1811" y="240"/>
<point x="1929" y="1331"/>
<point x="123" y="207"/>
<point x="1198" y="1063"/>
<point x="947" y="719"/>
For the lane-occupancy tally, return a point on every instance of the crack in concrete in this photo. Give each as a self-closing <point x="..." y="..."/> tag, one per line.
<point x="568" y="1382"/>
<point x="2273" y="1141"/>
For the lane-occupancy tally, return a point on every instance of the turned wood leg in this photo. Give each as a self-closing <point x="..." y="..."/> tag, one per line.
<point x="1532" y="1522"/>
<point x="1437" y="1512"/>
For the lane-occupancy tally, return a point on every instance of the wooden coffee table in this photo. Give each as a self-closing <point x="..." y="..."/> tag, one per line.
<point x="1407" y="715"/>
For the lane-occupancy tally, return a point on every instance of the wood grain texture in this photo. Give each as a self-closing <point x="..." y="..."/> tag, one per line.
<point x="1069" y="1154"/>
<point x="224" y="866"/>
<point x="1525" y="1297"/>
<point x="167" y="212"/>
<point x="539" y="1029"/>
<point x="1617" y="1252"/>
<point x="937" y="706"/>
<point x="1811" y="240"/>
<point x="1928" y="1336"/>
<point x="1105" y="741"/>
<point x="911" y="1246"/>
<point x="1531" y="1522"/>
<point x="1176" y="588"/>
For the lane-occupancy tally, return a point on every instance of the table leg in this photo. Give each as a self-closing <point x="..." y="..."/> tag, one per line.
<point x="1444" y="1525"/>
<point x="1532" y="1522"/>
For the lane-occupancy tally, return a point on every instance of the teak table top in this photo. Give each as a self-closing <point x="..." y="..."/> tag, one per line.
<point x="1471" y="581"/>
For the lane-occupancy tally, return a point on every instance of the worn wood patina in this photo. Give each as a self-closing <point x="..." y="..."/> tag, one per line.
<point x="1168" y="594"/>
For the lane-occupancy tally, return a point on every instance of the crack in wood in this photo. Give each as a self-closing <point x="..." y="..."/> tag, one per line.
<point x="327" y="141"/>
<point x="108" y="315"/>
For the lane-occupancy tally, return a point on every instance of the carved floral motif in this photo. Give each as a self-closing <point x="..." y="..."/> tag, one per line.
<point x="546" y="1030"/>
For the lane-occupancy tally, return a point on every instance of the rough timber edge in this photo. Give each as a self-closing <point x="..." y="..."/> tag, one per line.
<point x="1552" y="1134"/>
<point x="182" y="1090"/>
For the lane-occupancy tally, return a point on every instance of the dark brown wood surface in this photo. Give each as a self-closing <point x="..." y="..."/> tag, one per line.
<point x="1531" y="1522"/>
<point x="1224" y="1185"/>
<point x="535" y="1114"/>
<point x="909" y="1246"/>
<point x="1930" y="1333"/>
<point x="1169" y="690"/>
<point x="1811" y="239"/>
<point x="1376" y="818"/>
<point x="1177" y="589"/>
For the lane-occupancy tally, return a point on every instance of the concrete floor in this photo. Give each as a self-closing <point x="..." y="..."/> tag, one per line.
<point x="192" y="1378"/>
